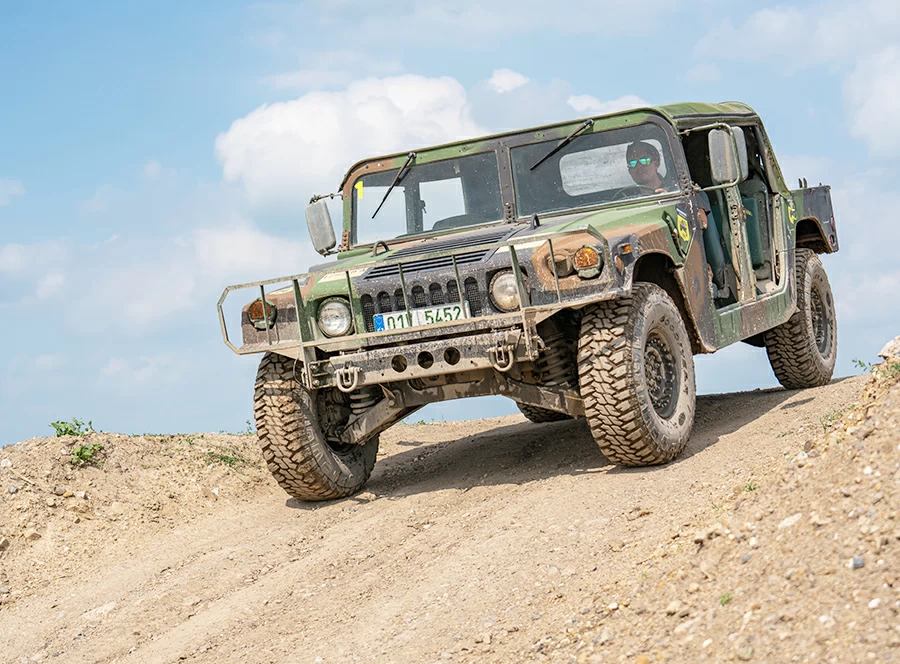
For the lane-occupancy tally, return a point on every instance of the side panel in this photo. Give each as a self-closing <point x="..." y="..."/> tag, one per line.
<point x="812" y="219"/>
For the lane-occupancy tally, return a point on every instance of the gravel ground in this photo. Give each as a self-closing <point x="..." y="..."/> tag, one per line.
<point x="774" y="538"/>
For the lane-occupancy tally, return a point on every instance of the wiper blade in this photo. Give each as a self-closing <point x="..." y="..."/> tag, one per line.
<point x="564" y="142"/>
<point x="412" y="155"/>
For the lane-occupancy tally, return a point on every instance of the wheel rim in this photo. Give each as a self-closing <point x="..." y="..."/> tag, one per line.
<point x="821" y="322"/>
<point x="661" y="373"/>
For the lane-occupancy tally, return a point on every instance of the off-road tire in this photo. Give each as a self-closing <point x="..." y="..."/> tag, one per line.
<point x="540" y="415"/>
<point x="636" y="423"/>
<point x="300" y="459"/>
<point x="803" y="350"/>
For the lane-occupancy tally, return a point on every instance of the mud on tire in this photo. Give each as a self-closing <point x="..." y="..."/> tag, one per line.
<point x="636" y="372"/>
<point x="803" y="350"/>
<point x="540" y="415"/>
<point x="301" y="460"/>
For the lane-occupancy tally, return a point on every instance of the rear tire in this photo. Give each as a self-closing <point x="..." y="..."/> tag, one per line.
<point x="302" y="461"/>
<point x="540" y="415"/>
<point x="636" y="371"/>
<point x="803" y="350"/>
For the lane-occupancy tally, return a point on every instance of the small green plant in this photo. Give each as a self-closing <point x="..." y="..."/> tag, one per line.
<point x="865" y="367"/>
<point x="893" y="370"/>
<point x="828" y="420"/>
<point x="74" y="428"/>
<point x="231" y="460"/>
<point x="250" y="429"/>
<point x="725" y="598"/>
<point x="86" y="454"/>
<point x="750" y="486"/>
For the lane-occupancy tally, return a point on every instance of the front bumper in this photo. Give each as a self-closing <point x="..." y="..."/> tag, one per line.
<point x="498" y="350"/>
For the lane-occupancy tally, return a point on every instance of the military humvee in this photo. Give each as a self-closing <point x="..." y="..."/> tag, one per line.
<point x="575" y="268"/>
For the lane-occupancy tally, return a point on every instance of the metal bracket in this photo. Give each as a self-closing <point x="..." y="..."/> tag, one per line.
<point x="502" y="357"/>
<point x="347" y="378"/>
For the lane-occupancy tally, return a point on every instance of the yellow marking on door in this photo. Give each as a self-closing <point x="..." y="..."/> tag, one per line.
<point x="684" y="231"/>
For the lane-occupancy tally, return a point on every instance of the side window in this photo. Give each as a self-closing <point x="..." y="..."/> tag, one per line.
<point x="441" y="199"/>
<point x="696" y="152"/>
<point x="600" y="169"/>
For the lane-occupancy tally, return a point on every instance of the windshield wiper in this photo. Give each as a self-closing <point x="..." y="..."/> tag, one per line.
<point x="564" y="142"/>
<point x="412" y="155"/>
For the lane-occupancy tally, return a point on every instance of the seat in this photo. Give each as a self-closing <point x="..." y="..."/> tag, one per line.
<point x="755" y="198"/>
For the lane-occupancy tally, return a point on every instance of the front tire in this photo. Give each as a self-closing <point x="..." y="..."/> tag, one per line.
<point x="636" y="372"/>
<point x="303" y="462"/>
<point x="803" y="350"/>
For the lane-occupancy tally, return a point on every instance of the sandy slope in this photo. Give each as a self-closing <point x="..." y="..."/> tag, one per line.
<point x="476" y="541"/>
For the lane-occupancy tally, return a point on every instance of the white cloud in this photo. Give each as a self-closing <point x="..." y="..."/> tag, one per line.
<point x="285" y="151"/>
<point x="47" y="363"/>
<point x="9" y="189"/>
<point x="243" y="251"/>
<point x="152" y="281"/>
<point x="506" y="80"/>
<point x="867" y="298"/>
<point x="416" y="22"/>
<point x="704" y="73"/>
<point x="814" y="169"/>
<point x="588" y="104"/>
<point x="794" y="38"/>
<point x="50" y="285"/>
<point x="24" y="261"/>
<point x="330" y="69"/>
<point x="160" y="368"/>
<point x="873" y="95"/>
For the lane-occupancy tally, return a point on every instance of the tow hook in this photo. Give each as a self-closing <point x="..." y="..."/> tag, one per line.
<point x="502" y="357"/>
<point x="347" y="378"/>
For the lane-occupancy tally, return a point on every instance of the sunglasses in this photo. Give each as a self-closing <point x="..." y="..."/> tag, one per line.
<point x="643" y="161"/>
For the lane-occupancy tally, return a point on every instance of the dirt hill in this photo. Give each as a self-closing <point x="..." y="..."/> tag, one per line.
<point x="774" y="538"/>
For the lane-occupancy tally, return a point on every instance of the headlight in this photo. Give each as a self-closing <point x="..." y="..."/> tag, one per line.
<point x="334" y="318"/>
<point x="504" y="292"/>
<point x="255" y="314"/>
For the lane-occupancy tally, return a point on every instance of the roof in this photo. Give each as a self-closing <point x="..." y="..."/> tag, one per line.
<point x="681" y="114"/>
<point x="691" y="109"/>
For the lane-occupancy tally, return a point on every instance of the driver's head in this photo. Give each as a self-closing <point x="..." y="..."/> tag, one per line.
<point x="642" y="160"/>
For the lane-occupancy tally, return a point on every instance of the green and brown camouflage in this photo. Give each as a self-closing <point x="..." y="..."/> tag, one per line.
<point x="657" y="238"/>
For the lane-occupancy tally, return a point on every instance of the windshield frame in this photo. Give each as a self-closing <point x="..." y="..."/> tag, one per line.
<point x="421" y="159"/>
<point x="501" y="145"/>
<point x="601" y="125"/>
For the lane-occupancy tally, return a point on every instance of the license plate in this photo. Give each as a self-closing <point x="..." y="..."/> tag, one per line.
<point x="399" y="320"/>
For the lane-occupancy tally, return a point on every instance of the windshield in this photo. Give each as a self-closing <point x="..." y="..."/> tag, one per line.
<point x="428" y="197"/>
<point x="594" y="168"/>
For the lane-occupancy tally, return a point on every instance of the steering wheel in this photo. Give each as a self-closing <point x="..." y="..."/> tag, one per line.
<point x="624" y="191"/>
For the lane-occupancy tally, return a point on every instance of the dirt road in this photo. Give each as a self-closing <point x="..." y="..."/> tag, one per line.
<point x="474" y="541"/>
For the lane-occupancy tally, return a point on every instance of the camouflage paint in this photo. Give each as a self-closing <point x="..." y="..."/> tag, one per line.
<point x="665" y="225"/>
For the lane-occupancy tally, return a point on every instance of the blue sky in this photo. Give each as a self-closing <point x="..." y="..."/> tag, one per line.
<point x="152" y="153"/>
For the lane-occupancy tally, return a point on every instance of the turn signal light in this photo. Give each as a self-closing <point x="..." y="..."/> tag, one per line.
<point x="586" y="257"/>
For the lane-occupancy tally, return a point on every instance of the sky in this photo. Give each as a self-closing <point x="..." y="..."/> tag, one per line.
<point x="153" y="153"/>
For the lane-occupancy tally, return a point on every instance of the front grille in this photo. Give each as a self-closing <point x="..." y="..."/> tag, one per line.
<point x="422" y="265"/>
<point x="438" y="293"/>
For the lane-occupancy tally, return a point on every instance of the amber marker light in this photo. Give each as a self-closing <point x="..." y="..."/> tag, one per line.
<point x="587" y="262"/>
<point x="255" y="314"/>
<point x="586" y="257"/>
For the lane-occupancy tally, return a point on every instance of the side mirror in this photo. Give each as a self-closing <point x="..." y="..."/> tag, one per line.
<point x="321" y="232"/>
<point x="728" y="155"/>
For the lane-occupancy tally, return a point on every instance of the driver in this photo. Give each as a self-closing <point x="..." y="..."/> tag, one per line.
<point x="643" y="164"/>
